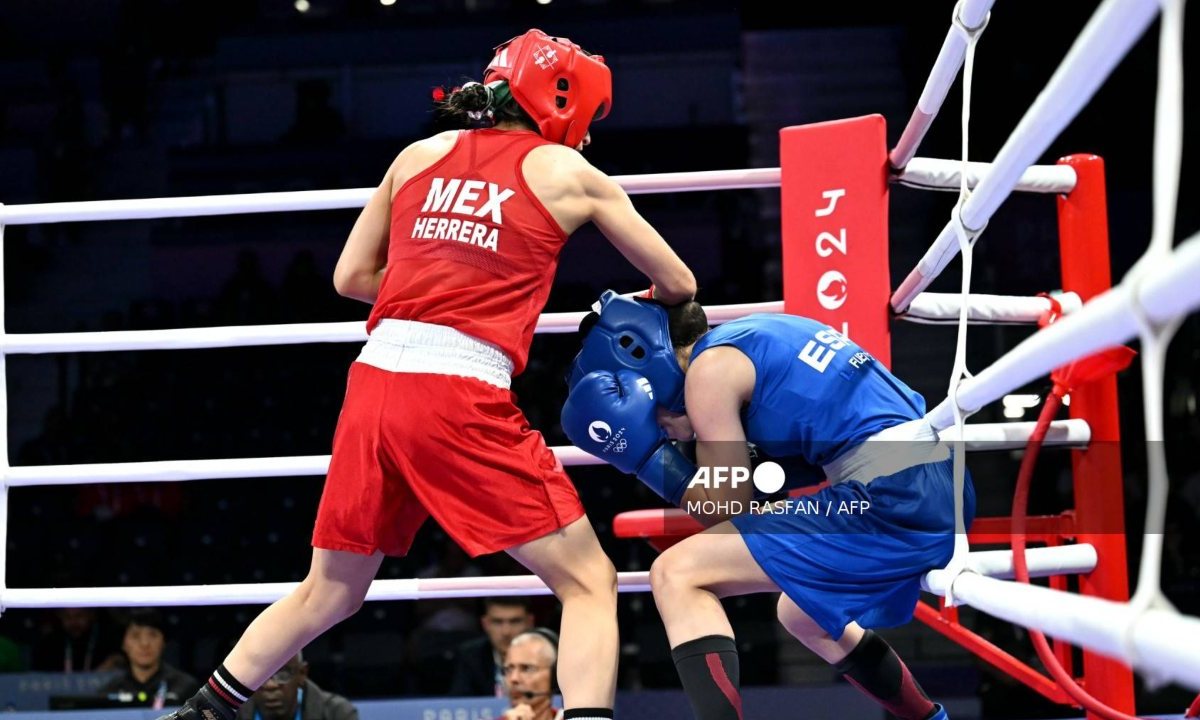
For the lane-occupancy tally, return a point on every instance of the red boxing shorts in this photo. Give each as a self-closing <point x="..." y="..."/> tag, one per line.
<point x="410" y="445"/>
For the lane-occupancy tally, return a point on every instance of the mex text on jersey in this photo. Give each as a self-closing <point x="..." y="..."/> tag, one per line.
<point x="465" y="211"/>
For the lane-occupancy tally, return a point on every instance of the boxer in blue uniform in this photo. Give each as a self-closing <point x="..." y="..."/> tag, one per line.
<point x="848" y="557"/>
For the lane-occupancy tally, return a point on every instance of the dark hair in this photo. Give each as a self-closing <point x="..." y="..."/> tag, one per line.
<point x="686" y="322"/>
<point x="475" y="105"/>
<point x="516" y="601"/>
<point x="145" y="617"/>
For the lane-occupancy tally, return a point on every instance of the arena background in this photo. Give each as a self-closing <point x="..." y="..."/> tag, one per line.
<point x="113" y="99"/>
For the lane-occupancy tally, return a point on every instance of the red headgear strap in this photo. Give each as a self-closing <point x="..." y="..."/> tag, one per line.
<point x="554" y="80"/>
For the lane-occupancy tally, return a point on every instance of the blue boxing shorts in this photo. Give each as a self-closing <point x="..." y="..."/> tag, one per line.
<point x="856" y="551"/>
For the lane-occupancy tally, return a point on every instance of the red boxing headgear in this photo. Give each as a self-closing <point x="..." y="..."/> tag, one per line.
<point x="554" y="80"/>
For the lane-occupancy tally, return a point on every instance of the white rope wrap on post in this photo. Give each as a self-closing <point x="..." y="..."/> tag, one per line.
<point x="943" y="308"/>
<point x="931" y="174"/>
<point x="1112" y="30"/>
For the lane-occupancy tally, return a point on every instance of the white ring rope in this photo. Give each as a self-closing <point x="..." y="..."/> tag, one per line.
<point x="927" y="173"/>
<point x="929" y="308"/>
<point x="1043" y="562"/>
<point x="1106" y="320"/>
<point x="1156" y="337"/>
<point x="1146" y="633"/>
<point x="1164" y="641"/>
<point x="144" y="209"/>
<point x="1112" y="30"/>
<point x="979" y="437"/>
<point x="931" y="174"/>
<point x="296" y="333"/>
<point x="944" y="308"/>
<point x="972" y="13"/>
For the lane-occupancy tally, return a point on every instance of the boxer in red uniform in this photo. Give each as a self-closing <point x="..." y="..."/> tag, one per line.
<point x="456" y="250"/>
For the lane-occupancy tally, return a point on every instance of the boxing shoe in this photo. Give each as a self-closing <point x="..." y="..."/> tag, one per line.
<point x="202" y="706"/>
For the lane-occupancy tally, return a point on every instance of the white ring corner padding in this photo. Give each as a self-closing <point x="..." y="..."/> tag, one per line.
<point x="943" y="308"/>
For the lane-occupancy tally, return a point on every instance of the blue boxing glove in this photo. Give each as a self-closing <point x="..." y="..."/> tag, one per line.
<point x="612" y="416"/>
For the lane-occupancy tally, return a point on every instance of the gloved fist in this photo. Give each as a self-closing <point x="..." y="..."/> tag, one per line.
<point x="613" y="417"/>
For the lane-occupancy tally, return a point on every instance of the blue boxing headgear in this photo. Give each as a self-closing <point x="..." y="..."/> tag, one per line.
<point x="633" y="334"/>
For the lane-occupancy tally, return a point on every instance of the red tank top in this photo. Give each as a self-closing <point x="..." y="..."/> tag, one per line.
<point x="471" y="247"/>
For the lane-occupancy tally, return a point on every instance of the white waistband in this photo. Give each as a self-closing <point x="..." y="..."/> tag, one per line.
<point x="407" y="346"/>
<point x="888" y="452"/>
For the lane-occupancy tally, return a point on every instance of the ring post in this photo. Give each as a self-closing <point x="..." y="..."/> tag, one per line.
<point x="1099" y="495"/>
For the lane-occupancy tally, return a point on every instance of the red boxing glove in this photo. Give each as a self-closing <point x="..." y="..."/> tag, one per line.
<point x="647" y="294"/>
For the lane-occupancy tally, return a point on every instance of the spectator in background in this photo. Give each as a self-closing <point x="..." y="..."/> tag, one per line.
<point x="149" y="680"/>
<point x="290" y="694"/>
<point x="79" y="641"/>
<point x="247" y="297"/>
<point x="479" y="667"/>
<point x="317" y="121"/>
<point x="529" y="670"/>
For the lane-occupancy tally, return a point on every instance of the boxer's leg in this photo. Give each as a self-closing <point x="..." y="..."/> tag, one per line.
<point x="335" y="587"/>
<point x="865" y="660"/>
<point x="571" y="562"/>
<point x="688" y="581"/>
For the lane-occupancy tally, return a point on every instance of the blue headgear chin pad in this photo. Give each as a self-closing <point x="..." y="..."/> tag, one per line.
<point x="632" y="334"/>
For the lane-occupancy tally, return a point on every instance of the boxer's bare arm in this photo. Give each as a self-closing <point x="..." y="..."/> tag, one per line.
<point x="575" y="193"/>
<point x="363" y="261"/>
<point x="719" y="383"/>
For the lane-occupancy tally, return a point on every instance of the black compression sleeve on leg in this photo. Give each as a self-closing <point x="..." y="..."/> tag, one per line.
<point x="708" y="668"/>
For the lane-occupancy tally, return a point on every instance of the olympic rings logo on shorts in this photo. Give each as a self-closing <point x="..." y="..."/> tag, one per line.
<point x="621" y="445"/>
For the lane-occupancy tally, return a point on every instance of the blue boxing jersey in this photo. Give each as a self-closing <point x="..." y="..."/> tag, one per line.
<point x="816" y="393"/>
